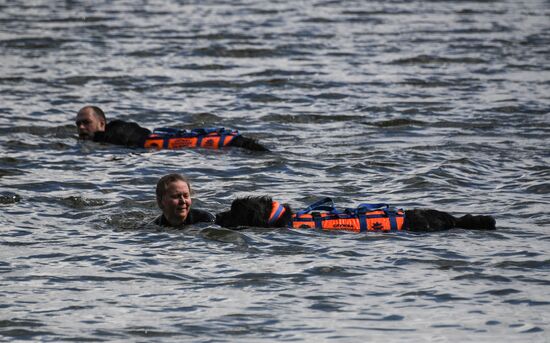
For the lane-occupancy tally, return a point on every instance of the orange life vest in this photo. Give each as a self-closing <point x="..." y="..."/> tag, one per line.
<point x="366" y="217"/>
<point x="170" y="138"/>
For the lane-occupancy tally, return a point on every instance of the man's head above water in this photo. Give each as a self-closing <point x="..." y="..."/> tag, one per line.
<point x="89" y="120"/>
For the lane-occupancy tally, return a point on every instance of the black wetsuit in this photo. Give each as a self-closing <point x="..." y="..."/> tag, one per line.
<point x="131" y="134"/>
<point x="195" y="216"/>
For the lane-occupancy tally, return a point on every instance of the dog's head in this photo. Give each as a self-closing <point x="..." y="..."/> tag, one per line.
<point x="255" y="211"/>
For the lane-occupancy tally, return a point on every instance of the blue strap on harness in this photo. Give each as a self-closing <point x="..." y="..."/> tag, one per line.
<point x="392" y="215"/>
<point x="318" y="220"/>
<point x="222" y="139"/>
<point x="372" y="207"/>
<point x="362" y="222"/>
<point x="199" y="139"/>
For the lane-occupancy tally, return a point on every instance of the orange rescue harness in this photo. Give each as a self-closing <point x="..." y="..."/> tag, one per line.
<point x="170" y="138"/>
<point x="323" y="215"/>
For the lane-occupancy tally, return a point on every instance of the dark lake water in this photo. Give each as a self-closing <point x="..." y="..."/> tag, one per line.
<point x="438" y="104"/>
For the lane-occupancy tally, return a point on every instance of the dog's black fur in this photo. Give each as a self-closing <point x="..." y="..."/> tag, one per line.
<point x="247" y="143"/>
<point x="254" y="211"/>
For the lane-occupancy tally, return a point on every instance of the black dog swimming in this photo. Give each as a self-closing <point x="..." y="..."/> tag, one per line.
<point x="262" y="211"/>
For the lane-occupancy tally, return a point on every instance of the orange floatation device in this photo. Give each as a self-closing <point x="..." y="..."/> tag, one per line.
<point x="323" y="215"/>
<point x="171" y="138"/>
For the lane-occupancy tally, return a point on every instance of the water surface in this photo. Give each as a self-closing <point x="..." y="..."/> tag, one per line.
<point x="438" y="104"/>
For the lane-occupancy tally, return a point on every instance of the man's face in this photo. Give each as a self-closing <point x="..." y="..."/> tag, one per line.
<point x="176" y="202"/>
<point x="88" y="124"/>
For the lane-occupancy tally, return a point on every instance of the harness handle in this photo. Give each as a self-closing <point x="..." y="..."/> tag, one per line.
<point x="319" y="206"/>
<point x="208" y="130"/>
<point x="366" y="207"/>
<point x="390" y="211"/>
<point x="372" y="207"/>
<point x="167" y="131"/>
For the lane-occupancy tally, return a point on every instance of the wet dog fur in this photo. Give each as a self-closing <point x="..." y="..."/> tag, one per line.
<point x="254" y="211"/>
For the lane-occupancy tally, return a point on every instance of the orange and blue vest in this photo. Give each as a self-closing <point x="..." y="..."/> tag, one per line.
<point x="323" y="215"/>
<point x="171" y="138"/>
<point x="277" y="211"/>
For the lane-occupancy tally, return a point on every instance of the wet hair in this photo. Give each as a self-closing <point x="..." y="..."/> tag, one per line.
<point x="164" y="181"/>
<point x="98" y="112"/>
